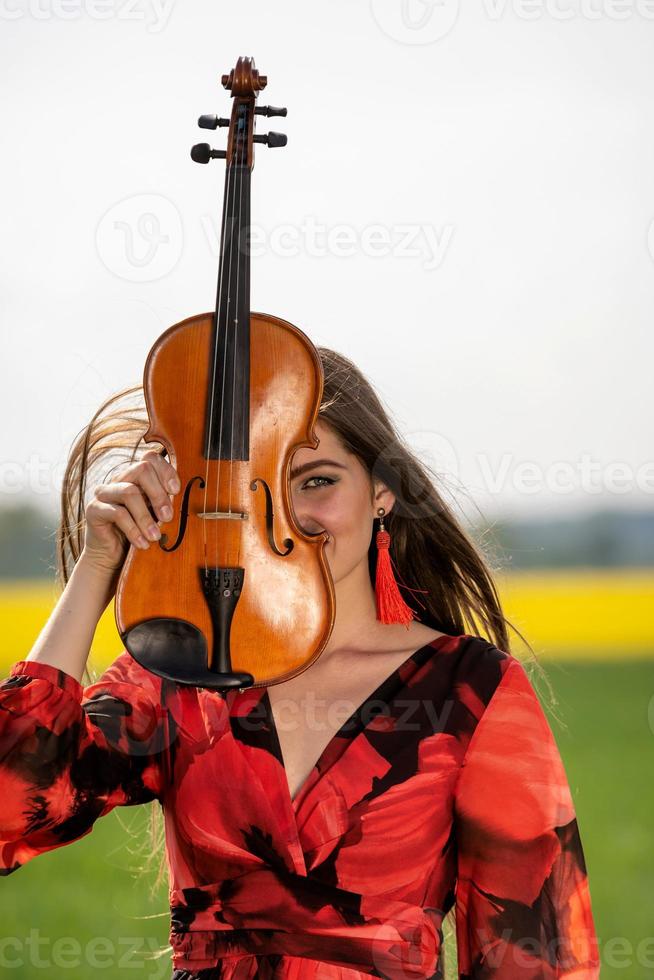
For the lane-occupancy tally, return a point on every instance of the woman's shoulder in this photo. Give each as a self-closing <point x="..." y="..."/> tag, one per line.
<point x="480" y="669"/>
<point x="125" y="678"/>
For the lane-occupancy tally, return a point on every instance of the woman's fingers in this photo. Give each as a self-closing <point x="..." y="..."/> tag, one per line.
<point x="132" y="499"/>
<point x="129" y="507"/>
<point x="141" y="492"/>
<point x="149" y="476"/>
<point x="107" y="513"/>
<point x="167" y="472"/>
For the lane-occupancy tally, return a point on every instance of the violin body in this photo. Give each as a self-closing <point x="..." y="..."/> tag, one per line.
<point x="268" y="638"/>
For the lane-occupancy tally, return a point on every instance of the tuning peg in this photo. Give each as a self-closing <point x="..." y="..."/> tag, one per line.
<point x="272" y="139"/>
<point x="202" y="153"/>
<point x="269" y="110"/>
<point x="211" y="122"/>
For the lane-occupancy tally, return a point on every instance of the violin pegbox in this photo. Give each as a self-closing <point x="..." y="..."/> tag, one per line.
<point x="244" y="82"/>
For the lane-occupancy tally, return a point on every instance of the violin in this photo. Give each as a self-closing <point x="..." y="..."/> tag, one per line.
<point x="235" y="593"/>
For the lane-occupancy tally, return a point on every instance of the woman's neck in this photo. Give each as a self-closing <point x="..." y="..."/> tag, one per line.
<point x="356" y="626"/>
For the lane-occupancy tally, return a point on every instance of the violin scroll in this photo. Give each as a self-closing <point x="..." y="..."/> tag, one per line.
<point x="244" y="79"/>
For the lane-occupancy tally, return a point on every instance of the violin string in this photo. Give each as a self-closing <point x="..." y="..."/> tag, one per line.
<point x="239" y="179"/>
<point x="230" y="263"/>
<point x="233" y="237"/>
<point x="215" y="358"/>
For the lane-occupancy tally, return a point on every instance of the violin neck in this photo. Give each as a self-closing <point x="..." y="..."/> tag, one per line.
<point x="228" y="398"/>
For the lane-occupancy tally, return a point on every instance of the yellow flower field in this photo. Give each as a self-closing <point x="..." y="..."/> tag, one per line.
<point x="596" y="614"/>
<point x="599" y="614"/>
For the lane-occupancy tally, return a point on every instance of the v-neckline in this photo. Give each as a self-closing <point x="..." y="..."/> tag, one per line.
<point x="296" y="801"/>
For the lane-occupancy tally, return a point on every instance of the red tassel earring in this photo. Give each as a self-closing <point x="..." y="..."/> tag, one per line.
<point x="391" y="607"/>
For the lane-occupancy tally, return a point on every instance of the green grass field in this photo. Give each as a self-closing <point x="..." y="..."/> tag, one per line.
<point x="608" y="751"/>
<point x="85" y="909"/>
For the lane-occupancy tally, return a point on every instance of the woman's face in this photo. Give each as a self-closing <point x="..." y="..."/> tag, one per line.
<point x="336" y="497"/>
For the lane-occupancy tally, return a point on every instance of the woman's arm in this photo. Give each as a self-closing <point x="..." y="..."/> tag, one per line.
<point x="65" y="640"/>
<point x="523" y="906"/>
<point x="69" y="755"/>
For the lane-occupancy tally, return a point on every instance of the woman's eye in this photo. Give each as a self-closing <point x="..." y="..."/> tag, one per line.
<point x="310" y="480"/>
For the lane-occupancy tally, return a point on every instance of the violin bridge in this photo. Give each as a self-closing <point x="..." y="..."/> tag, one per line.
<point x="217" y="515"/>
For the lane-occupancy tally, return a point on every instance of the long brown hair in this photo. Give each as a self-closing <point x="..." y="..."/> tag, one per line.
<point x="434" y="555"/>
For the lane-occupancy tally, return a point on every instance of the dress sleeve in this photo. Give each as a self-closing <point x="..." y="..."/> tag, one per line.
<point x="70" y="754"/>
<point x="523" y="906"/>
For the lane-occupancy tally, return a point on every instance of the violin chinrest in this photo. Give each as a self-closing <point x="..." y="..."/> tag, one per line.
<point x="177" y="650"/>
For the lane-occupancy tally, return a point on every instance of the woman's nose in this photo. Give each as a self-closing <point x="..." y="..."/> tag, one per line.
<point x="306" y="520"/>
<point x="310" y="527"/>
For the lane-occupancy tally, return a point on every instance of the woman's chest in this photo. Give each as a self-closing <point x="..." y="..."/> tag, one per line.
<point x="386" y="775"/>
<point x="311" y="709"/>
<point x="305" y="724"/>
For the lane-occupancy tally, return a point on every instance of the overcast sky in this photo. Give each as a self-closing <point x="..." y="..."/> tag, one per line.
<point x="465" y="207"/>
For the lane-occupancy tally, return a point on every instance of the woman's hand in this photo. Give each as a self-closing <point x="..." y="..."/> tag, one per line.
<point x="125" y="511"/>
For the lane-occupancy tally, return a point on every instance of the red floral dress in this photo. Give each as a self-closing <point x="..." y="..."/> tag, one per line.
<point x="444" y="788"/>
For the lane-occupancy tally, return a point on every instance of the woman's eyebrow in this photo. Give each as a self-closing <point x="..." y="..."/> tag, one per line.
<point x="299" y="470"/>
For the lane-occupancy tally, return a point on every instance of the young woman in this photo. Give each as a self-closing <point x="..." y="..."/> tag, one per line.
<point x="322" y="827"/>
